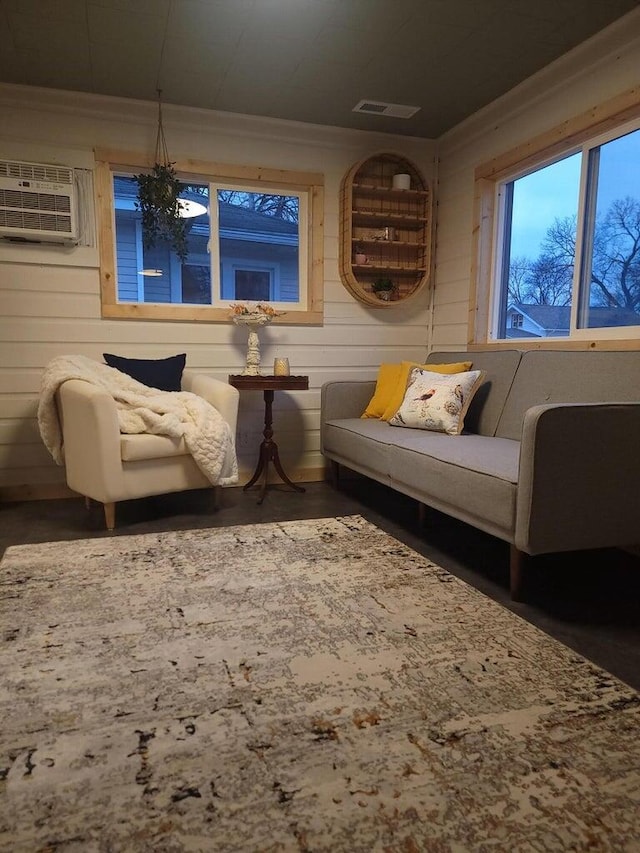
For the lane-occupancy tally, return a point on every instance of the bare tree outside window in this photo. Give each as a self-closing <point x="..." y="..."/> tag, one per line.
<point x="279" y="206"/>
<point x="608" y="281"/>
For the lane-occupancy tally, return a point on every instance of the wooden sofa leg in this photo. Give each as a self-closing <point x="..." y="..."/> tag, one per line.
<point x="517" y="573"/>
<point x="217" y="497"/>
<point x="334" y="473"/>
<point x="110" y="515"/>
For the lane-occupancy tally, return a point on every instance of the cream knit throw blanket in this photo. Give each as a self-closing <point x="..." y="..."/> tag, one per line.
<point x="179" y="414"/>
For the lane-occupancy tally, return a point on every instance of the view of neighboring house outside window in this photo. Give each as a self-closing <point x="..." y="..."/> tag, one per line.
<point x="257" y="236"/>
<point x="249" y="250"/>
<point x="567" y="248"/>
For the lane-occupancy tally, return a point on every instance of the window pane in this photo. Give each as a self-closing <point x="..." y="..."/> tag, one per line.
<point x="155" y="274"/>
<point x="253" y="285"/>
<point x="196" y="284"/>
<point x="259" y="246"/>
<point x="611" y="256"/>
<point x="538" y="251"/>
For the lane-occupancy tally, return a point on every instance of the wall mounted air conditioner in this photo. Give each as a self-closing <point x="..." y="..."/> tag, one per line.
<point x="37" y="203"/>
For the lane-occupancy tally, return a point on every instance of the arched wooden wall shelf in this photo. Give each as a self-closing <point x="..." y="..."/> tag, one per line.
<point x="389" y="226"/>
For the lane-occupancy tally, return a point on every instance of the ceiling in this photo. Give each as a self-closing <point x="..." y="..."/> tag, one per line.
<point x="306" y="60"/>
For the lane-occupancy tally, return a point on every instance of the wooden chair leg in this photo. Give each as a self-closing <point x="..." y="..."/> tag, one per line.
<point x="334" y="473"/>
<point x="110" y="515"/>
<point x="517" y="573"/>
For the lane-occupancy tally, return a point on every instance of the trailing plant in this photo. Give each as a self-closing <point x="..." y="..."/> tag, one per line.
<point x="159" y="202"/>
<point x="159" y="199"/>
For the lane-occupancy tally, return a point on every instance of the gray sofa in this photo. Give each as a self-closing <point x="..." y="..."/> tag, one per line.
<point x="549" y="459"/>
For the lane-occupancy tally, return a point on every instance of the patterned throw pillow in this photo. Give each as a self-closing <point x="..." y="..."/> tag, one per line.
<point x="392" y="382"/>
<point x="397" y="395"/>
<point x="437" y="402"/>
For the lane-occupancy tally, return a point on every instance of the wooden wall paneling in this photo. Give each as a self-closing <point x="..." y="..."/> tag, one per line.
<point x="53" y="300"/>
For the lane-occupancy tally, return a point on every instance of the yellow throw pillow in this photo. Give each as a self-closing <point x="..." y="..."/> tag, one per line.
<point x="385" y="385"/>
<point x="397" y="395"/>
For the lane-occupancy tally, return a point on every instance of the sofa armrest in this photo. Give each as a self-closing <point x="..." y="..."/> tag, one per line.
<point x="91" y="436"/>
<point x="222" y="396"/>
<point x="578" y="478"/>
<point x="345" y="399"/>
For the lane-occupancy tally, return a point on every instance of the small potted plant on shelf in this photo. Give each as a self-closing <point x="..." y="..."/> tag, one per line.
<point x="383" y="288"/>
<point x="360" y="256"/>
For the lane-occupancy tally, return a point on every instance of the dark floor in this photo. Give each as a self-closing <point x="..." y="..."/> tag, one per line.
<point x="588" y="601"/>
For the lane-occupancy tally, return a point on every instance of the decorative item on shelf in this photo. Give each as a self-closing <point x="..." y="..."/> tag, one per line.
<point x="253" y="317"/>
<point x="159" y="199"/>
<point x="359" y="256"/>
<point x="402" y="181"/>
<point x="385" y="234"/>
<point x="383" y="288"/>
<point x="281" y="367"/>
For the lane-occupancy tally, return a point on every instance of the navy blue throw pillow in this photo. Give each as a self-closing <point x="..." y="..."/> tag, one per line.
<point x="162" y="373"/>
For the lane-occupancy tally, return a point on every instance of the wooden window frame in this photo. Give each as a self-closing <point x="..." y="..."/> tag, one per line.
<point x="544" y="147"/>
<point x="110" y="161"/>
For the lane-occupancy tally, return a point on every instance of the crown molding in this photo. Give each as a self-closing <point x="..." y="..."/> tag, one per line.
<point x="101" y="108"/>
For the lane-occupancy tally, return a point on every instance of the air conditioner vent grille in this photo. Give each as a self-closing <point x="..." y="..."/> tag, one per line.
<point x="36" y="172"/>
<point x="25" y="221"/>
<point x="35" y="201"/>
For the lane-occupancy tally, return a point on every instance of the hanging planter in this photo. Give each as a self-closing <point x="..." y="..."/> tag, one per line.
<point x="159" y="200"/>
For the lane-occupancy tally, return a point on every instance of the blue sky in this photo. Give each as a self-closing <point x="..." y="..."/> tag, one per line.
<point x="539" y="199"/>
<point x="552" y="193"/>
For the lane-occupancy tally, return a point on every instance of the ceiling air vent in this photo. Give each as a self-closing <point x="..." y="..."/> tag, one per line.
<point x="381" y="108"/>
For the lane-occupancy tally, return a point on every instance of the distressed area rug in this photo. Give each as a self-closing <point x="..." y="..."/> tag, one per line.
<point x="299" y="686"/>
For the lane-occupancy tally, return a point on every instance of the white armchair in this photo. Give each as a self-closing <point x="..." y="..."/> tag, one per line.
<point x="107" y="466"/>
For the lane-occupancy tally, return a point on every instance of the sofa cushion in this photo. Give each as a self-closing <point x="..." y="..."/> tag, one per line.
<point x="547" y="376"/>
<point x="488" y="403"/>
<point x="364" y="440"/>
<point x="473" y="478"/>
<point x="437" y="402"/>
<point x="162" y="373"/>
<point x="363" y="444"/>
<point x="138" y="446"/>
<point x="433" y="468"/>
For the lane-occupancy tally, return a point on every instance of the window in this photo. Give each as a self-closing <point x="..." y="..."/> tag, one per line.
<point x="254" y="285"/>
<point x="589" y="199"/>
<point x="558" y="247"/>
<point x="256" y="236"/>
<point x="536" y="245"/>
